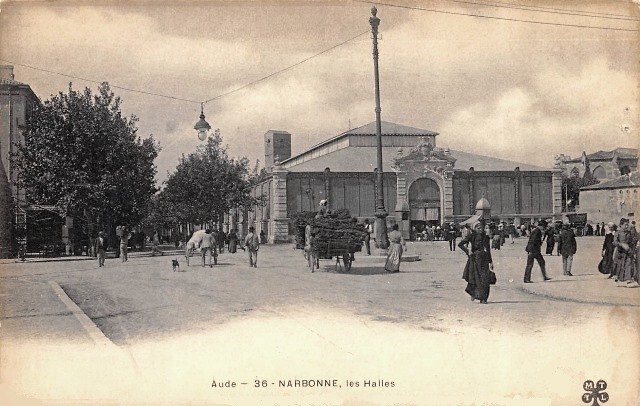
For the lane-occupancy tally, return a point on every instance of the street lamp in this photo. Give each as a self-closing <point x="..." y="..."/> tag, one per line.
<point x="202" y="126"/>
<point x="381" y="214"/>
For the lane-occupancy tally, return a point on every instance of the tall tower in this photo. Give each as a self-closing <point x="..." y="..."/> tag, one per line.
<point x="277" y="147"/>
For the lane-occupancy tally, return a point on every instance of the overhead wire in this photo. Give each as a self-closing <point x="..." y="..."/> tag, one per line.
<point x="543" y="10"/>
<point x="495" y="17"/>
<point x="595" y="13"/>
<point x="287" y="68"/>
<point x="96" y="81"/>
<point x="497" y="4"/>
<point x="190" y="100"/>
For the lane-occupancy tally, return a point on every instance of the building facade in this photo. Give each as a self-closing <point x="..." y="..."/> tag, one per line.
<point x="603" y="165"/>
<point x="422" y="182"/>
<point x="16" y="103"/>
<point x="613" y="199"/>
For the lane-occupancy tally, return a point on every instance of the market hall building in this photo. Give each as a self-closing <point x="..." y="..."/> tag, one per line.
<point x="423" y="183"/>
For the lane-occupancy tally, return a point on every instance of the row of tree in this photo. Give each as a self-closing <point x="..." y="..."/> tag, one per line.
<point x="82" y="156"/>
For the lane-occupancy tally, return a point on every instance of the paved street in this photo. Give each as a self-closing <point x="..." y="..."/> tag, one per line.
<point x="280" y="321"/>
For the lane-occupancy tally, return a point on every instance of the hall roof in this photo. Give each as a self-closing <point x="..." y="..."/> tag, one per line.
<point x="625" y="181"/>
<point x="387" y="128"/>
<point x="622" y="153"/>
<point x="338" y="154"/>
<point x="363" y="159"/>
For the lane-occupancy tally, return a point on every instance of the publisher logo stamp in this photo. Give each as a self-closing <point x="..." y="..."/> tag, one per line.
<point x="595" y="392"/>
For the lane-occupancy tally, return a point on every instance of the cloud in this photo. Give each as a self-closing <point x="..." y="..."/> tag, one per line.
<point x="505" y="89"/>
<point x="561" y="112"/>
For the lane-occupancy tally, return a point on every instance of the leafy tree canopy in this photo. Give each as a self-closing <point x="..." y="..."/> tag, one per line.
<point x="207" y="183"/>
<point x="81" y="155"/>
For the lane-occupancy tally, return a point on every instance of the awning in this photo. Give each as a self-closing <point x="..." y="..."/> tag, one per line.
<point x="470" y="220"/>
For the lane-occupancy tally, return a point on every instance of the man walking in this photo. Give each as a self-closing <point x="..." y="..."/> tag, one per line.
<point x="209" y="243"/>
<point x="252" y="243"/>
<point x="100" y="244"/>
<point x="567" y="246"/>
<point x="533" y="250"/>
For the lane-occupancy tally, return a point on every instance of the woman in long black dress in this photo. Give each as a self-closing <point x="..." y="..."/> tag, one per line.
<point x="607" y="251"/>
<point x="476" y="272"/>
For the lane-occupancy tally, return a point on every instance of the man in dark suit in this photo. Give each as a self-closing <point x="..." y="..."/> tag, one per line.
<point x="567" y="246"/>
<point x="533" y="250"/>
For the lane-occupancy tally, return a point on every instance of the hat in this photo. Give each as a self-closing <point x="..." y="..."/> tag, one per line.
<point x="323" y="202"/>
<point x="542" y="223"/>
<point x="610" y="224"/>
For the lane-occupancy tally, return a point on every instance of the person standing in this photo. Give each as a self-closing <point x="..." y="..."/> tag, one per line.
<point x="367" y="238"/>
<point x="452" y="234"/>
<point x="598" y="229"/>
<point x="550" y="236"/>
<point x="534" y="251"/>
<point x="100" y="245"/>
<point x="209" y="244"/>
<point x="124" y="244"/>
<point x="233" y="241"/>
<point x="567" y="246"/>
<point x="495" y="234"/>
<point x="624" y="258"/>
<point x="394" y="254"/>
<point x="479" y="263"/>
<point x="607" y="250"/>
<point x="252" y="244"/>
<point x="466" y="231"/>
<point x="512" y="232"/>
<point x="155" y="243"/>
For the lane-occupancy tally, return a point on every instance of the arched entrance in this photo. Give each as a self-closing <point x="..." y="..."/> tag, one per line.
<point x="424" y="203"/>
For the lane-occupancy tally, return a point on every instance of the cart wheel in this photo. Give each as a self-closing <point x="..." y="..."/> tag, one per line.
<point x="347" y="262"/>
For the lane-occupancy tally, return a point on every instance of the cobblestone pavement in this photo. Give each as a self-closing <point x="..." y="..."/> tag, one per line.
<point x="233" y="321"/>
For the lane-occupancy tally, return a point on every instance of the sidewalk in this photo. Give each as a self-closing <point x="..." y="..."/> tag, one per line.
<point x="166" y="250"/>
<point x="586" y="288"/>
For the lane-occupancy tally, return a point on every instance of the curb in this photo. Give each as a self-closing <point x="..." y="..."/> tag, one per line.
<point x="567" y="298"/>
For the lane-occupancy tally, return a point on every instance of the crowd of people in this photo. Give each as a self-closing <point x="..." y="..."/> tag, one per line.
<point x="621" y="254"/>
<point x="215" y="242"/>
<point x="620" y="250"/>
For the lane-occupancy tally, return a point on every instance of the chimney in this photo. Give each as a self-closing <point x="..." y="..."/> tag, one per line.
<point x="6" y="72"/>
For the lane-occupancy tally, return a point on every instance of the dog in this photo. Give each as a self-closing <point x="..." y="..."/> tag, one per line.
<point x="176" y="265"/>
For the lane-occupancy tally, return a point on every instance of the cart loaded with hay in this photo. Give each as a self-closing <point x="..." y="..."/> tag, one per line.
<point x="328" y="235"/>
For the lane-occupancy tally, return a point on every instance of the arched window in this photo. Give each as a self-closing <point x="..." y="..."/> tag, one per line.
<point x="424" y="190"/>
<point x="599" y="173"/>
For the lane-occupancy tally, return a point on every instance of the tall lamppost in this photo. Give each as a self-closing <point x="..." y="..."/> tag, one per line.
<point x="382" y="240"/>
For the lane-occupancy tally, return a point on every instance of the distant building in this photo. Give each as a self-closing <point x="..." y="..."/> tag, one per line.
<point x="16" y="103"/>
<point x="603" y="165"/>
<point x="423" y="184"/>
<point x="612" y="199"/>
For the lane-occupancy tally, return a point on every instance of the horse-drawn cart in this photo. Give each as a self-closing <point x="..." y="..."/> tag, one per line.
<point x="341" y="249"/>
<point x="327" y="236"/>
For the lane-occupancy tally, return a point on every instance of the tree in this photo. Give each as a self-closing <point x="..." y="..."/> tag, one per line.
<point x="208" y="183"/>
<point x="572" y="184"/>
<point x="82" y="156"/>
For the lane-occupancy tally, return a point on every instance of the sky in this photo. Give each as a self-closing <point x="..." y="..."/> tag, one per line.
<point x="518" y="90"/>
